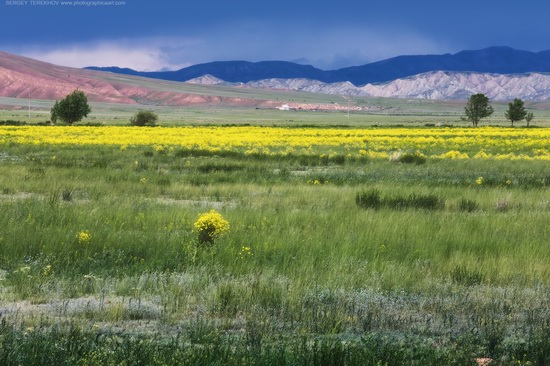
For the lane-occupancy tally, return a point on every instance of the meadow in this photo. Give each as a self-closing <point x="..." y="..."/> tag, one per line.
<point x="348" y="244"/>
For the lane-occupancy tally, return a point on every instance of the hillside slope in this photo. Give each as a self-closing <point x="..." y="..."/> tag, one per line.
<point x="22" y="77"/>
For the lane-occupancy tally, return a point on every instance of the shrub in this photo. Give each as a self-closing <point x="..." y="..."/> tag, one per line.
<point x="338" y="159"/>
<point x="409" y="158"/>
<point x="372" y="199"/>
<point x="67" y="195"/>
<point x="164" y="181"/>
<point x="467" y="205"/>
<point x="369" y="199"/>
<point x="144" y="118"/>
<point x="11" y="122"/>
<point x="422" y="201"/>
<point x="425" y="201"/>
<point x="209" y="226"/>
<point x="397" y="202"/>
<point x="465" y="276"/>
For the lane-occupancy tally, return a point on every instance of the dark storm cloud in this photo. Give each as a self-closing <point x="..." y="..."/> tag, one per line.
<point x="149" y="35"/>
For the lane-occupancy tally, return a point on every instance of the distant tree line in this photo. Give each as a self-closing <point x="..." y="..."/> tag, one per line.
<point x="75" y="106"/>
<point x="478" y="107"/>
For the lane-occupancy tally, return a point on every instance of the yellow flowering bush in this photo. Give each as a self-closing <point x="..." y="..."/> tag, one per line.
<point x="209" y="226"/>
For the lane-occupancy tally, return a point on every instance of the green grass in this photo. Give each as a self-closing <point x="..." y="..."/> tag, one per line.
<point x="381" y="112"/>
<point x="305" y="276"/>
<point x="323" y="281"/>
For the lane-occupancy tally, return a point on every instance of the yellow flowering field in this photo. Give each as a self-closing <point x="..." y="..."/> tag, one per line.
<point x="444" y="143"/>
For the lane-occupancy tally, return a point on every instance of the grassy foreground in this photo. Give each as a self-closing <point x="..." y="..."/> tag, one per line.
<point x="100" y="264"/>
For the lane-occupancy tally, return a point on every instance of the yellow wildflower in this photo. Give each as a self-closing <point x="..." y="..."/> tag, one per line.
<point x="84" y="237"/>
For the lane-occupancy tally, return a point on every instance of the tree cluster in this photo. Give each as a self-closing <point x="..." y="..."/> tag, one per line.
<point x="478" y="107"/>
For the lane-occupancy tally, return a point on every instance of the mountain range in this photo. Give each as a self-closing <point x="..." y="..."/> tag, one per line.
<point x="495" y="60"/>
<point x="499" y="72"/>
<point x="429" y="85"/>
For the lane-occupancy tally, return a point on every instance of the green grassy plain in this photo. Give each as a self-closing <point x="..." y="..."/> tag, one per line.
<point x="382" y="112"/>
<point x="305" y="276"/>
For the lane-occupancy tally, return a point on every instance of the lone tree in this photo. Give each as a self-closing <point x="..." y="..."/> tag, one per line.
<point x="478" y="107"/>
<point x="516" y="111"/>
<point x="144" y="118"/>
<point x="72" y="108"/>
<point x="529" y="117"/>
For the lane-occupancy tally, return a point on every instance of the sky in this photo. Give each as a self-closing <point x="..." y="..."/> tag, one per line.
<point x="150" y="35"/>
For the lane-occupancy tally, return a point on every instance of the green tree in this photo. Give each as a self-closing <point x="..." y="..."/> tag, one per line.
<point x="143" y="118"/>
<point x="477" y="107"/>
<point x="529" y="117"/>
<point x="72" y="108"/>
<point x="516" y="111"/>
<point x="53" y="112"/>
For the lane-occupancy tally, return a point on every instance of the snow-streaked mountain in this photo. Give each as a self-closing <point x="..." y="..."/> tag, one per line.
<point x="430" y="85"/>
<point x="207" y="80"/>
<point x="459" y="85"/>
<point x="313" y="86"/>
